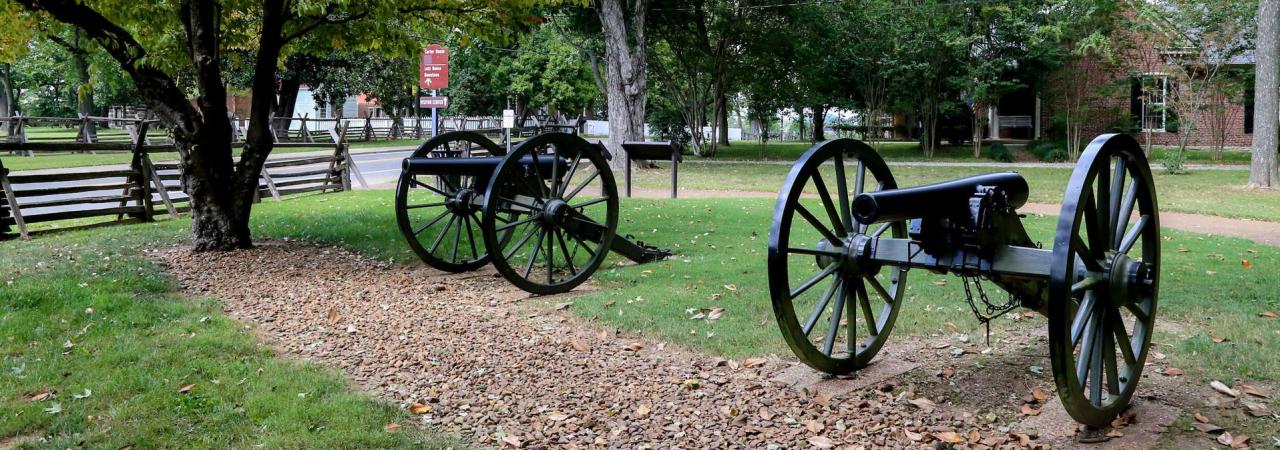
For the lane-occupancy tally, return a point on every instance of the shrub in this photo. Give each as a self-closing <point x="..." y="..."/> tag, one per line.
<point x="1048" y="150"/>
<point x="1001" y="153"/>
<point x="1175" y="163"/>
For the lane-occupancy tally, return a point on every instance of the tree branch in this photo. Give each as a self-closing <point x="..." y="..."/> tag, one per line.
<point x="156" y="87"/>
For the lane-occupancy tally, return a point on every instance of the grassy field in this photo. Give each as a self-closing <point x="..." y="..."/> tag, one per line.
<point x="1210" y="192"/>
<point x="89" y="318"/>
<point x="155" y="342"/>
<point x="910" y="151"/>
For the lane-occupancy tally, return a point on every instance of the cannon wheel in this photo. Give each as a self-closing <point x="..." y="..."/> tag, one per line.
<point x="540" y="209"/>
<point x="1104" y="282"/>
<point x="436" y="217"/>
<point x="829" y="282"/>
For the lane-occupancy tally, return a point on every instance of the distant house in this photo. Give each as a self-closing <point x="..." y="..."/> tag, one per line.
<point x="353" y="106"/>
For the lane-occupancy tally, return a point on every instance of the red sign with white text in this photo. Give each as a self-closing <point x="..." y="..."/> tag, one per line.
<point x="434" y="68"/>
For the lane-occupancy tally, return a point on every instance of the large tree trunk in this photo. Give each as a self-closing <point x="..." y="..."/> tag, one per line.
<point x="1266" y="130"/>
<point x="289" y="88"/>
<point x="7" y="99"/>
<point x="722" y="117"/>
<point x="624" y="45"/>
<point x="819" y="122"/>
<point x="84" y="92"/>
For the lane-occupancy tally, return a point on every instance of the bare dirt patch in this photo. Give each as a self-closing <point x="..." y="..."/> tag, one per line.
<point x="484" y="362"/>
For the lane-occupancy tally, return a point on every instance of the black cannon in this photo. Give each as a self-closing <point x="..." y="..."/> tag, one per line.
<point x="844" y="237"/>
<point x="545" y="215"/>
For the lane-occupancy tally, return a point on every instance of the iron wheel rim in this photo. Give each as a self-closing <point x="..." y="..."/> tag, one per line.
<point x="517" y="263"/>
<point x="1090" y="318"/>
<point x="439" y="247"/>
<point x="852" y="290"/>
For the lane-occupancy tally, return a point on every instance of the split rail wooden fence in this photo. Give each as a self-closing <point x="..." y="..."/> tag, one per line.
<point x="146" y="189"/>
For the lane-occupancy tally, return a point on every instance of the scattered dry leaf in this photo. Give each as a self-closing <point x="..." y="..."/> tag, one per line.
<point x="715" y="313"/>
<point x="635" y="346"/>
<point x="814" y="426"/>
<point x="642" y="411"/>
<point x="1246" y="264"/>
<point x="332" y="315"/>
<point x="949" y="437"/>
<point x="1172" y="371"/>
<point x="917" y="437"/>
<point x="1269" y="315"/>
<point x="512" y="441"/>
<point x="924" y="404"/>
<point x="754" y="361"/>
<point x="731" y="287"/>
<point x="1226" y="438"/>
<point x="1201" y="418"/>
<point x="392" y="427"/>
<point x="419" y="408"/>
<point x="1115" y="434"/>
<point x="580" y="346"/>
<point x="1254" y="391"/>
<point x="1224" y="389"/>
<point x="1040" y="394"/>
<point x="1029" y="410"/>
<point x="186" y="389"/>
<point x="557" y="417"/>
<point x="1257" y="409"/>
<point x="821" y="442"/>
<point x="560" y="306"/>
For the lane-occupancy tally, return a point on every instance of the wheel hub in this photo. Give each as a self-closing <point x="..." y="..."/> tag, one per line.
<point x="462" y="202"/>
<point x="855" y="255"/>
<point x="555" y="212"/>
<point x="1128" y="279"/>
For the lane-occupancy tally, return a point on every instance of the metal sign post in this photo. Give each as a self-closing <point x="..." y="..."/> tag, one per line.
<point x="508" y="122"/>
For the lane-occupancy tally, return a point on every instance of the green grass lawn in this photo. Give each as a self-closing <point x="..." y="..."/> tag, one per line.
<point x="1211" y="192"/>
<point x="88" y="316"/>
<point x="910" y="151"/>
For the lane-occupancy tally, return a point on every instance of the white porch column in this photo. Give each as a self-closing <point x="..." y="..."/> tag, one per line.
<point x="1036" y="119"/>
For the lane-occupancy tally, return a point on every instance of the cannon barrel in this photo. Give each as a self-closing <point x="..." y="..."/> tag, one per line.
<point x="936" y="200"/>
<point x="480" y="166"/>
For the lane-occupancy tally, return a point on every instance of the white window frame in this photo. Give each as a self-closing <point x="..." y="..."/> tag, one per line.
<point x="1163" y="103"/>
<point x="324" y="111"/>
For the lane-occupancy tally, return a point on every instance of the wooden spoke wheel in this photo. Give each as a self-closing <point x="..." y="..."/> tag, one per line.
<point x="835" y="306"/>
<point x="556" y="195"/>
<point x="1104" y="281"/>
<point x="439" y="214"/>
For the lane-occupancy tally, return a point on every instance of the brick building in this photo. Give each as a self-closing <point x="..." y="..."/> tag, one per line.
<point x="1138" y="92"/>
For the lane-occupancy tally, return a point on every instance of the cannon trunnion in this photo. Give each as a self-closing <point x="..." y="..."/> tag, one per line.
<point x="845" y="236"/>
<point x="545" y="215"/>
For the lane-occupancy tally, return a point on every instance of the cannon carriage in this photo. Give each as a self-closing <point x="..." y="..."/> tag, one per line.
<point x="845" y="236"/>
<point x="545" y="215"/>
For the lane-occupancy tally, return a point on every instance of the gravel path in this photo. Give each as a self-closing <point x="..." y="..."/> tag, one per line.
<point x="503" y="372"/>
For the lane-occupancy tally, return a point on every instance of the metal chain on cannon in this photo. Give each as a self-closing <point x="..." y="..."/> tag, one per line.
<point x="993" y="311"/>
